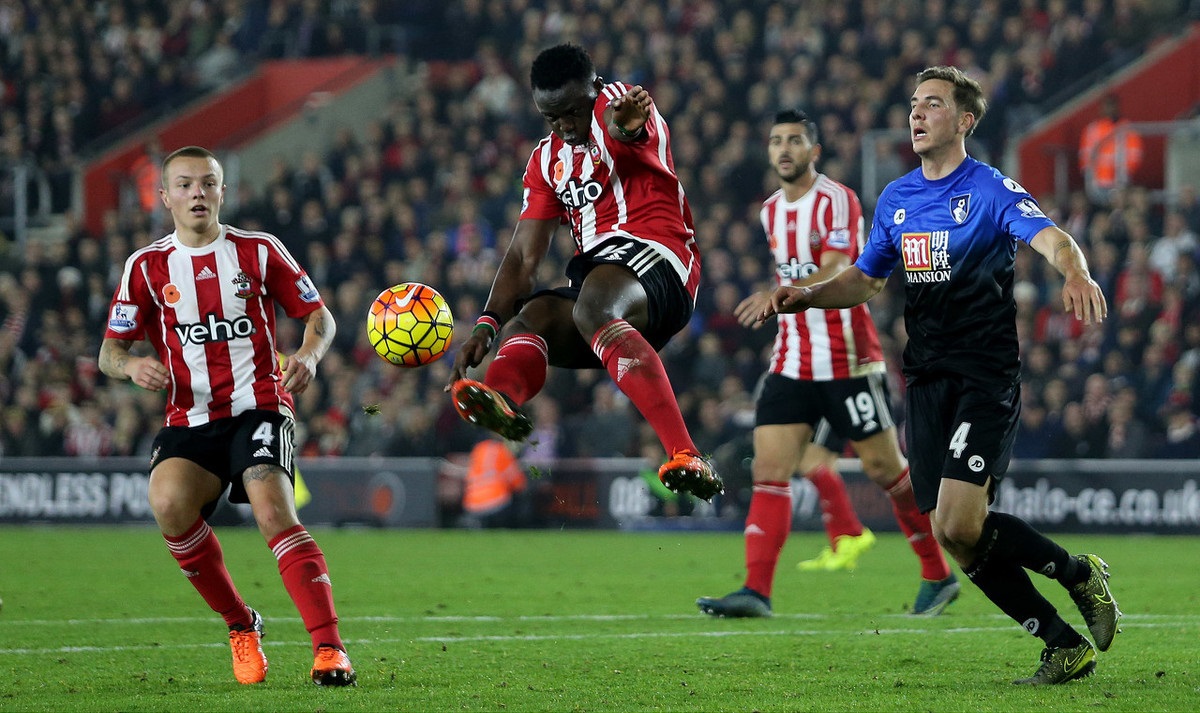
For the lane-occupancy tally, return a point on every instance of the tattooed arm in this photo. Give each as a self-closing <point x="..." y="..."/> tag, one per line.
<point x="116" y="361"/>
<point x="300" y="368"/>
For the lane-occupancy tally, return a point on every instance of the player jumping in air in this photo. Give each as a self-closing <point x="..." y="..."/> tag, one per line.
<point x="606" y="171"/>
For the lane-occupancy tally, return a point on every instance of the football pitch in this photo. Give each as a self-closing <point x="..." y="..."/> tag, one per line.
<point x="100" y="619"/>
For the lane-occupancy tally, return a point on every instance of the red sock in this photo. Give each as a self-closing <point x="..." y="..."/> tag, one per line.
<point x="767" y="527"/>
<point x="837" y="514"/>
<point x="915" y="526"/>
<point x="306" y="579"/>
<point x="200" y="557"/>
<point x="519" y="369"/>
<point x="638" y="372"/>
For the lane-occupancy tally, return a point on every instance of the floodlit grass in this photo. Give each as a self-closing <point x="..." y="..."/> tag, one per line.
<point x="100" y="619"/>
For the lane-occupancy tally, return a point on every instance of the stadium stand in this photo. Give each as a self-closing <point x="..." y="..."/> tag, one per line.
<point x="429" y="191"/>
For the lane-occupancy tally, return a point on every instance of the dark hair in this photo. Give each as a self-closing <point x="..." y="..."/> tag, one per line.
<point x="189" y="152"/>
<point x="560" y="65"/>
<point x="795" y="116"/>
<point x="968" y="95"/>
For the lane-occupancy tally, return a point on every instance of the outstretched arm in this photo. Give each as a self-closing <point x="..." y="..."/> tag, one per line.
<point x="749" y="309"/>
<point x="848" y="288"/>
<point x="1080" y="293"/>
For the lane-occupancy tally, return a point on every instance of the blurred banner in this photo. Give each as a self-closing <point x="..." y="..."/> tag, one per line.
<point x="1055" y="496"/>
<point x="396" y="492"/>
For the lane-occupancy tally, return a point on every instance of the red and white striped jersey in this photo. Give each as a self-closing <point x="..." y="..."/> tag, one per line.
<point x="209" y="313"/>
<point x="819" y="345"/>
<point x="610" y="188"/>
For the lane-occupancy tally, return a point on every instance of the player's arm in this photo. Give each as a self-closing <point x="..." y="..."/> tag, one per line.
<point x="848" y="288"/>
<point x="117" y="361"/>
<point x="515" y="279"/>
<point x="750" y="309"/>
<point x="626" y="115"/>
<point x="1080" y="293"/>
<point x="300" y="368"/>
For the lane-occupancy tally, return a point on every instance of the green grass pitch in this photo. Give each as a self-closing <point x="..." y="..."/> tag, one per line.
<point x="100" y="619"/>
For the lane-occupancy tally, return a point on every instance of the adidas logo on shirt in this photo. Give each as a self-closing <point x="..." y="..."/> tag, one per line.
<point x="206" y="274"/>
<point x="263" y="452"/>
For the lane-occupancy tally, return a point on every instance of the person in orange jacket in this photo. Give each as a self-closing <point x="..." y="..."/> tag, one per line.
<point x="1110" y="151"/>
<point x="493" y="495"/>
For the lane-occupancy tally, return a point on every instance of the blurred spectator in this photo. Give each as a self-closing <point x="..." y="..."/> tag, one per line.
<point x="1110" y="151"/>
<point x="1182" y="434"/>
<point x="1035" y="435"/>
<point x="1078" y="438"/>
<point x="495" y="492"/>
<point x="605" y="430"/>
<point x="1128" y="437"/>
<point x="1177" y="240"/>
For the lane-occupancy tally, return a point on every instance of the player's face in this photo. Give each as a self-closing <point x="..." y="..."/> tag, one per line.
<point x="790" y="151"/>
<point x="933" y="119"/>
<point x="568" y="110"/>
<point x="194" y="192"/>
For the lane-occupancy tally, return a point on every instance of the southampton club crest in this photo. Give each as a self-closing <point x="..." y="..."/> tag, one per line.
<point x="960" y="206"/>
<point x="241" y="283"/>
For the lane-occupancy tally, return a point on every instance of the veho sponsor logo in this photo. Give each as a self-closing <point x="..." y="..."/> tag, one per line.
<point x="796" y="270"/>
<point x="214" y="329"/>
<point x="578" y="194"/>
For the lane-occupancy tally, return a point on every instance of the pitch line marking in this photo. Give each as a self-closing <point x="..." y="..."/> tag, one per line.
<point x="1184" y="619"/>
<point x="277" y="643"/>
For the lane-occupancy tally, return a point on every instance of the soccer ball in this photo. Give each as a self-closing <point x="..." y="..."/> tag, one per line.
<point x="410" y="324"/>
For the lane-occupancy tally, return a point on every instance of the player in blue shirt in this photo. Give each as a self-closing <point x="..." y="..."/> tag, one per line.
<point x="953" y="225"/>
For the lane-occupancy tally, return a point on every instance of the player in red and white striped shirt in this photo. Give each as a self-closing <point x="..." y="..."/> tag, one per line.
<point x="204" y="298"/>
<point x="826" y="369"/>
<point x="606" y="171"/>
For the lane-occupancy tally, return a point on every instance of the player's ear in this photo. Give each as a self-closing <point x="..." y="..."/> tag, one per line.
<point x="966" y="120"/>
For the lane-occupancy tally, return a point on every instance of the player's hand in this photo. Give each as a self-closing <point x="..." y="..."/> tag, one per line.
<point x="469" y="354"/>
<point x="298" y="372"/>
<point x="632" y="109"/>
<point x="749" y="310"/>
<point x="787" y="300"/>
<point x="1083" y="296"/>
<point x="148" y="373"/>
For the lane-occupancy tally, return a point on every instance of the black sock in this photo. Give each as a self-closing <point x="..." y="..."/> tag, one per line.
<point x="1009" y="587"/>
<point x="1068" y="638"/>
<point x="1018" y="542"/>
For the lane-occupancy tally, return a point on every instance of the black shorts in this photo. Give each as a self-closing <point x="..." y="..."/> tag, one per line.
<point x="960" y="429"/>
<point x="667" y="300"/>
<point x="855" y="408"/>
<point x="827" y="438"/>
<point x="226" y="447"/>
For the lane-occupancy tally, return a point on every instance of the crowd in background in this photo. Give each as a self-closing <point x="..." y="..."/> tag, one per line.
<point x="430" y="192"/>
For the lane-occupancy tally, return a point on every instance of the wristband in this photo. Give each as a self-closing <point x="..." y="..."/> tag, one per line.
<point x="489" y="321"/>
<point x="627" y="133"/>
